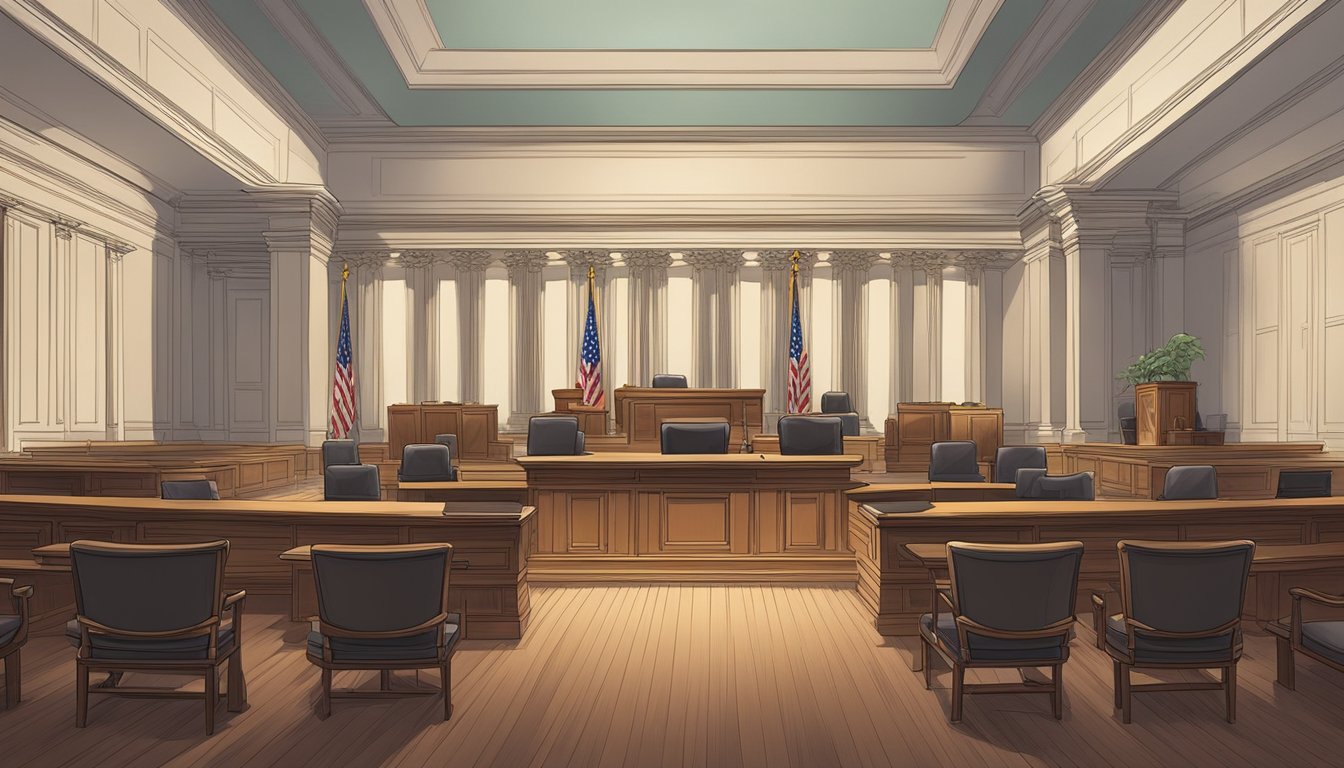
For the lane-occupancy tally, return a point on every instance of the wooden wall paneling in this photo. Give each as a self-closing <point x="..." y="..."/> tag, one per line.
<point x="1298" y="369"/>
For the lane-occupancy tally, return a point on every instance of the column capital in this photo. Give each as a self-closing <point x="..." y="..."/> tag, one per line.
<point x="421" y="259"/>
<point x="65" y="228"/>
<point x="713" y="258"/>
<point x="648" y="259"/>
<point x="471" y="260"/>
<point x="218" y="273"/>
<point x="9" y="201"/>
<point x="580" y="260"/>
<point x="522" y="262"/>
<point x="116" y="249"/>
<point x="854" y="260"/>
<point x="931" y="262"/>
<point x="363" y="259"/>
<point x="775" y="259"/>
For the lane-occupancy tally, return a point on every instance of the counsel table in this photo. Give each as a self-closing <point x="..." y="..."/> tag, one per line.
<point x="640" y="516"/>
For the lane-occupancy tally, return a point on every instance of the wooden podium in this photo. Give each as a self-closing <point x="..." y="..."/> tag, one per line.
<point x="476" y="427"/>
<point x="911" y="433"/>
<point x="592" y="419"/>
<point x="641" y="411"/>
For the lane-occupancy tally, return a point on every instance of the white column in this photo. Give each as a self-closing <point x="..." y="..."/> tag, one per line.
<point x="1044" y="300"/>
<point x="974" y="263"/>
<point x="218" y="427"/>
<point x="850" y="363"/>
<point x="116" y="360"/>
<point x="902" y="330"/>
<point x="470" y="281"/>
<point x="301" y="352"/>
<point x="648" y="314"/>
<point x="928" y="325"/>
<point x="525" y="334"/>
<point x="714" y="319"/>
<point x="61" y="259"/>
<point x="422" y="324"/>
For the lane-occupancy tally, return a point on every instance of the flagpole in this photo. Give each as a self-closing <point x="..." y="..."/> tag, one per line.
<point x="793" y="286"/>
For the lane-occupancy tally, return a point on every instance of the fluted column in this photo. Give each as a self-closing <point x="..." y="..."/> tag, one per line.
<point x="579" y="262"/>
<point x="902" y="331"/>
<point x="714" y="316"/>
<point x="974" y="263"/>
<point x="422" y="326"/>
<point x="525" y="334"/>
<point x="775" y="322"/>
<point x="928" y="325"/>
<point x="850" y="362"/>
<point x="469" y="278"/>
<point x="648" y="314"/>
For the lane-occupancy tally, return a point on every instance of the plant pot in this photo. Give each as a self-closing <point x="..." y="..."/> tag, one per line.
<point x="1129" y="430"/>
<point x="1161" y="406"/>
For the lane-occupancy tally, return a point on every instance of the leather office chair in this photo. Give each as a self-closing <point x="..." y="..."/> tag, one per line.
<point x="1190" y="482"/>
<point x="1012" y="606"/>
<point x="1181" y="608"/>
<point x="1303" y="484"/>
<point x="351" y="483"/>
<point x="1129" y="429"/>
<point x="202" y="490"/>
<point x="554" y="435"/>
<point x="451" y="442"/>
<point x="426" y="463"/>
<point x="1010" y="458"/>
<point x="1026" y="479"/>
<point x="839" y="404"/>
<point x="155" y="608"/>
<point x="1321" y="640"/>
<point x="13" y="634"/>
<point x="669" y="380"/>
<point x="953" y="461"/>
<point x="1079" y="486"/>
<point x="339" y="452"/>
<point x="385" y="608"/>
<point x="810" y="436"/>
<point x="694" y="437"/>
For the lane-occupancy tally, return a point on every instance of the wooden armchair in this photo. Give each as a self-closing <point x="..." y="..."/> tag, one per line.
<point x="1319" y="640"/>
<point x="13" y="634"/>
<point x="1011" y="607"/>
<point x="155" y="608"/>
<point x="383" y="607"/>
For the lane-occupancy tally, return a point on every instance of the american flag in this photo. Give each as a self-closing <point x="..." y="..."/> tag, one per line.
<point x="590" y="357"/>
<point x="343" y="382"/>
<point x="800" y="370"/>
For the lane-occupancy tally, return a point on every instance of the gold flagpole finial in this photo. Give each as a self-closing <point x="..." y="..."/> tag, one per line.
<point x="345" y="272"/>
<point x="794" y="258"/>
<point x="591" y="272"/>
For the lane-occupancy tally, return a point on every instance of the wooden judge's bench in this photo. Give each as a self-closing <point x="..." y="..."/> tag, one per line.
<point x="476" y="427"/>
<point x="641" y="411"/>
<point x="911" y="433"/>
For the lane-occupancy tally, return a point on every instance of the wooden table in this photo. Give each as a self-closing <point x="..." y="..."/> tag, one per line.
<point x="1245" y="470"/>
<point x="71" y="472"/>
<point x="476" y="427"/>
<point x="641" y="411"/>
<point x="867" y="446"/>
<point x="464" y="490"/>
<point x="874" y="492"/>
<point x="911" y="433"/>
<point x="732" y="517"/>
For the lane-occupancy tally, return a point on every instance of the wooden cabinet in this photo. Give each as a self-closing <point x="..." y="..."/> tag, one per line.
<point x="911" y="433"/>
<point x="476" y="427"/>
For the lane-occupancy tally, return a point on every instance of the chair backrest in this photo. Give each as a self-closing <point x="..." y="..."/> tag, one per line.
<point x="339" y="452"/>
<point x="1184" y="586"/>
<point x="952" y="458"/>
<point x="1027" y="479"/>
<point x="849" y="423"/>
<point x="836" y="402"/>
<point x="448" y="440"/>
<point x="810" y="435"/>
<point x="1216" y="422"/>
<point x="673" y="380"/>
<point x="1015" y="587"/>
<point x="148" y="587"/>
<point x="347" y="483"/>
<point x="1303" y="484"/>
<point x="1079" y="486"/>
<point x="203" y="490"/>
<point x="1125" y="409"/>
<point x="430" y="462"/>
<point x="381" y="588"/>
<point x="553" y="435"/>
<point x="694" y="437"/>
<point x="580" y="443"/>
<point x="1196" y="481"/>
<point x="1010" y="458"/>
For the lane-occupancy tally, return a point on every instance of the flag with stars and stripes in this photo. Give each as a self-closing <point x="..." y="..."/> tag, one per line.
<point x="343" y="381"/>
<point x="799" y="398"/>
<point x="590" y="356"/>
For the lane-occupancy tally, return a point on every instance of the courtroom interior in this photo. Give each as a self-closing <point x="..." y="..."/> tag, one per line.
<point x="714" y="383"/>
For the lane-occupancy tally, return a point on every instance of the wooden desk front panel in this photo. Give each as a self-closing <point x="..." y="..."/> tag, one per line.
<point x="476" y="427"/>
<point x="641" y="412"/>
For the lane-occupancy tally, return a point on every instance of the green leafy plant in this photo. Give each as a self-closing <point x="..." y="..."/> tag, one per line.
<point x="1169" y="362"/>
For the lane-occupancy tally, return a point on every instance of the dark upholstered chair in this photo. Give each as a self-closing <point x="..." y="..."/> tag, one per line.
<point x="189" y="490"/>
<point x="1011" y="606"/>
<point x="810" y="435"/>
<point x="1318" y="639"/>
<point x="1027" y="478"/>
<point x="155" y="608"/>
<point x="694" y="437"/>
<point x="384" y="608"/>
<point x="672" y="380"/>
<point x="554" y="435"/>
<point x="1181" y="607"/>
<point x="450" y="441"/>
<point x="13" y="634"/>
<point x="1303" y="484"/>
<point x="351" y="483"/>
<point x="836" y="402"/>
<point x="339" y="452"/>
<point x="426" y="463"/>
<point x="1190" y="482"/>
<point x="1080" y="486"/>
<point x="953" y="461"/>
<point x="1010" y="458"/>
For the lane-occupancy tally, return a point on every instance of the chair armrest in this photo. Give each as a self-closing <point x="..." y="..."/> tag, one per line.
<point x="234" y="598"/>
<point x="1099" y="618"/>
<point x="24" y="592"/>
<point x="1334" y="601"/>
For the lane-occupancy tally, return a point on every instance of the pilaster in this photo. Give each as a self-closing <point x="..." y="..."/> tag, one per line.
<point x="647" y="271"/>
<point x="470" y="269"/>
<point x="927" y="267"/>
<point x="850" y="372"/>
<point x="525" y="333"/>
<point x="714" y="318"/>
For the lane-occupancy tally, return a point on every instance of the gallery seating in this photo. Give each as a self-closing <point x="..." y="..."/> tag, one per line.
<point x="1010" y="458"/>
<point x="430" y="463"/>
<point x="810" y="435"/>
<point x="1322" y="640"/>
<point x="1011" y="607"/>
<point x="839" y="404"/>
<point x="339" y="452"/>
<point x="199" y="490"/>
<point x="953" y="461"/>
<point x="384" y="608"/>
<point x="1181" y="606"/>
<point x="13" y="634"/>
<point x="554" y="435"/>
<point x="694" y="437"/>
<point x="1189" y="483"/>
<point x="669" y="380"/>
<point x="351" y="483"/>
<point x="155" y="608"/>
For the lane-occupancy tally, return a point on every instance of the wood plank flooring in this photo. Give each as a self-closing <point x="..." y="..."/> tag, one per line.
<point x="676" y="675"/>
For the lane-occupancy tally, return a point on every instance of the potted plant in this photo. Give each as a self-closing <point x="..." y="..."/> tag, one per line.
<point x="1164" y="396"/>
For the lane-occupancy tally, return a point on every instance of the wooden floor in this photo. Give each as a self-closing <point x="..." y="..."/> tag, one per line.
<point x="676" y="676"/>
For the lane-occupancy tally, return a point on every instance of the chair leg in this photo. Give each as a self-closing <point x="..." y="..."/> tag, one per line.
<point x="1126" y="695"/>
<point x="1057" y="695"/>
<point x="958" y="680"/>
<point x="385" y="679"/>
<point x="1230" y="684"/>
<point x="1115" y="674"/>
<point x="13" y="680"/>
<point x="447" y="672"/>
<point x="237" y="687"/>
<point x="1287" y="664"/>
<point x="211" y="699"/>
<point x="324" y="707"/>
<point x="926" y="659"/>
<point x="81" y="695"/>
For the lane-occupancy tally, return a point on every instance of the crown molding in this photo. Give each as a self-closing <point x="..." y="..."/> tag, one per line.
<point x="345" y="136"/>
<point x="1053" y="27"/>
